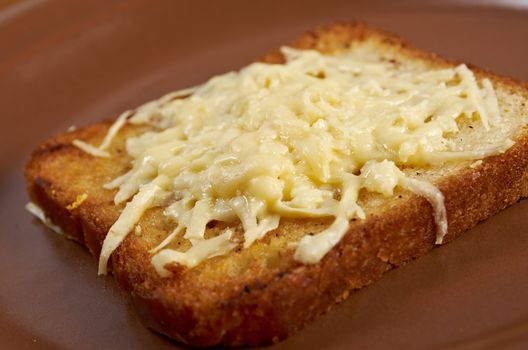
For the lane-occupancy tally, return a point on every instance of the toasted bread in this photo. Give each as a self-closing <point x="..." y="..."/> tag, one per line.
<point x="261" y="294"/>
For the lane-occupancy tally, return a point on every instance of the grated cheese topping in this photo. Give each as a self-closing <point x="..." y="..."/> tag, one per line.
<point x="300" y="139"/>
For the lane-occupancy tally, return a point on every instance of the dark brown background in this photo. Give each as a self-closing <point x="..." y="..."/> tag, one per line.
<point x="73" y="62"/>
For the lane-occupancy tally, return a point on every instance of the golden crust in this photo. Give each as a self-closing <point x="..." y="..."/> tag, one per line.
<point x="267" y="301"/>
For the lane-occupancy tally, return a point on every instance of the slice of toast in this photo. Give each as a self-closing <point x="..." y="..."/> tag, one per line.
<point x="260" y="294"/>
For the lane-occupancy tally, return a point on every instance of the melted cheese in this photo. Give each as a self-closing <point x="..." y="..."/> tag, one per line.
<point x="294" y="140"/>
<point x="204" y="249"/>
<point x="133" y="211"/>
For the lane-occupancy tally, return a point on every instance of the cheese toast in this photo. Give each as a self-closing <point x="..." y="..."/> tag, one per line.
<point x="261" y="293"/>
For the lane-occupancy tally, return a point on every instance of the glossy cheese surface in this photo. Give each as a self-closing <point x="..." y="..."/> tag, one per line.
<point x="300" y="139"/>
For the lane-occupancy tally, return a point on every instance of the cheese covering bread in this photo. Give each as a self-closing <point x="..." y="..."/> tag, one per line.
<point x="237" y="211"/>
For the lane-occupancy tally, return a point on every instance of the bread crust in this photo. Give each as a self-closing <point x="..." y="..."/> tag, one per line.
<point x="267" y="304"/>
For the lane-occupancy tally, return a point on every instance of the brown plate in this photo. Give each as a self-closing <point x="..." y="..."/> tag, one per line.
<point x="70" y="62"/>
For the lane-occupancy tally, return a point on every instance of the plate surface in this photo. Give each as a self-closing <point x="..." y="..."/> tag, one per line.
<point x="67" y="62"/>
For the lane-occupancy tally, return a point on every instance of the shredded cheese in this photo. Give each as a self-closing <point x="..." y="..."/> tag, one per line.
<point x="77" y="202"/>
<point x="294" y="140"/>
<point x="101" y="150"/>
<point x="205" y="249"/>
<point x="94" y="151"/>
<point x="128" y="219"/>
<point x="39" y="213"/>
